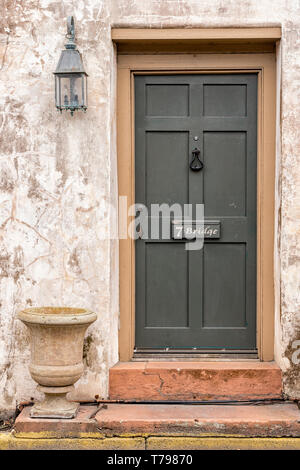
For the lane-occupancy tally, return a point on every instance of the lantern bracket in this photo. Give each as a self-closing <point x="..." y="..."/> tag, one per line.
<point x="70" y="33"/>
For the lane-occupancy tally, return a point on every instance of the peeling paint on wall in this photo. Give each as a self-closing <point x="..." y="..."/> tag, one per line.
<point x="54" y="182"/>
<point x="58" y="176"/>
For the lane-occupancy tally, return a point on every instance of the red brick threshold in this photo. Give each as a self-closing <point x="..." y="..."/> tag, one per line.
<point x="194" y="381"/>
<point x="134" y="420"/>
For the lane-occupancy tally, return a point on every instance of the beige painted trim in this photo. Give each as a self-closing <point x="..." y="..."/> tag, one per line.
<point x="195" y="40"/>
<point x="188" y="34"/>
<point x="264" y="64"/>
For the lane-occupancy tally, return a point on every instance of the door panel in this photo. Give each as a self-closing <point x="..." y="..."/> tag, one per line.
<point x="160" y="100"/>
<point x="167" y="179"/>
<point x="165" y="306"/>
<point x="225" y="173"/>
<point x="224" y="100"/>
<point x="224" y="306"/>
<point x="205" y="298"/>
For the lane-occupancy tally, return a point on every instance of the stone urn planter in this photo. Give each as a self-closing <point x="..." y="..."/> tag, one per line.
<point x="57" y="335"/>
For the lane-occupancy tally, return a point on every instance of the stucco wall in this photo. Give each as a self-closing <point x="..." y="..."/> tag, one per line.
<point x="58" y="174"/>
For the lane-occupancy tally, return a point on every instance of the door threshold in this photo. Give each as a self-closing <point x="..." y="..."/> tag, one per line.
<point x="141" y="355"/>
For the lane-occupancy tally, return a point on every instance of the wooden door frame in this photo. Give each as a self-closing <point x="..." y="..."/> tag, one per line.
<point x="264" y="64"/>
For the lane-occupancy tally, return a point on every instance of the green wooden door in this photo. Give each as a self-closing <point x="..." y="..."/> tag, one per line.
<point x="204" y="299"/>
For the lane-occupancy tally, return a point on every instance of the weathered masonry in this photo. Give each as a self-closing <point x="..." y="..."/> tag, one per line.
<point x="172" y="85"/>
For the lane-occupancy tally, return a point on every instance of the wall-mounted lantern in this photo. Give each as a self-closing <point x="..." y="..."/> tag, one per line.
<point x="70" y="76"/>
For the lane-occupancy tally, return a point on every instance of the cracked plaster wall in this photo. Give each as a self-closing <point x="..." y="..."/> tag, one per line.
<point x="58" y="174"/>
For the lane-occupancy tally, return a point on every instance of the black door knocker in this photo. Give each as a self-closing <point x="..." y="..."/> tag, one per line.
<point x="196" y="164"/>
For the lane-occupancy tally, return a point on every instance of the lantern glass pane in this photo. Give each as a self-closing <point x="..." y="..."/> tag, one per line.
<point x="57" y="92"/>
<point x="71" y="90"/>
<point x="84" y="88"/>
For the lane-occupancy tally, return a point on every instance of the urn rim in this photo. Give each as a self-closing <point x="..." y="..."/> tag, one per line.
<point x="57" y="316"/>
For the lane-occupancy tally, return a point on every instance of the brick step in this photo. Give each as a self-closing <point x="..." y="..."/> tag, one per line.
<point x="194" y="381"/>
<point x="275" y="420"/>
<point x="134" y="420"/>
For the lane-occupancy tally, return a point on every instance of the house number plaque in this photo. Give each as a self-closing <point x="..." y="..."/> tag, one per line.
<point x="191" y="230"/>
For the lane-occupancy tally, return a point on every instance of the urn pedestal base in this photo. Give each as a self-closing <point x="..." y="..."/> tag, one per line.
<point x="55" y="404"/>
